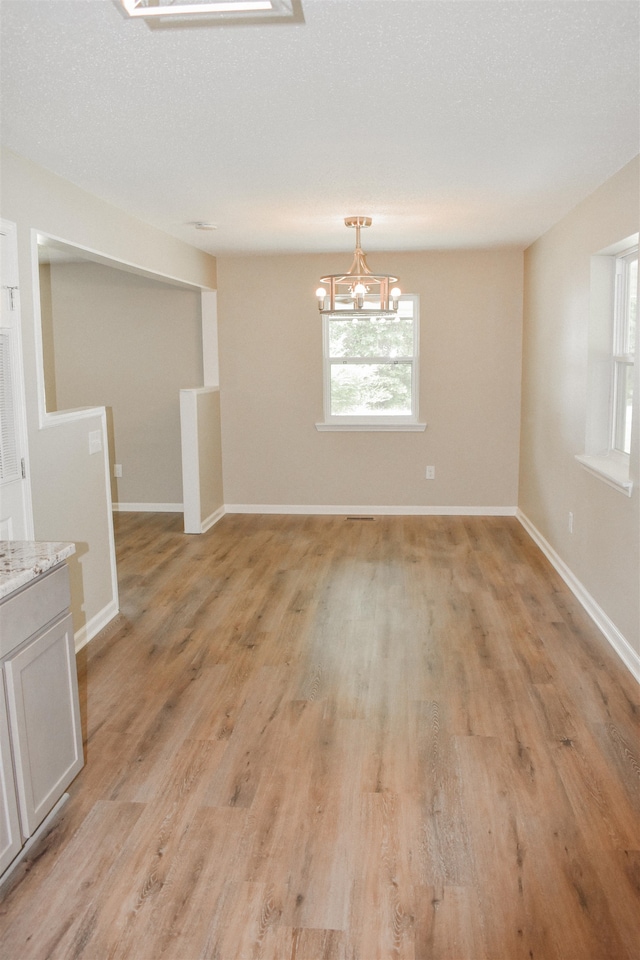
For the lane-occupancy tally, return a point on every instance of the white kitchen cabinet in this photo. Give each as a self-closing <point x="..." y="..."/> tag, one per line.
<point x="42" y="695"/>
<point x="41" y="736"/>
<point x="10" y="836"/>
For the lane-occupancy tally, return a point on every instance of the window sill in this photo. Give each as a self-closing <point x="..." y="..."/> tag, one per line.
<point x="373" y="427"/>
<point x="613" y="471"/>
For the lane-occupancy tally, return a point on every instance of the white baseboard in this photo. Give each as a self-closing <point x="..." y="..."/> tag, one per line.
<point x="34" y="838"/>
<point x="336" y="510"/>
<point x="606" y="626"/>
<point x="148" y="507"/>
<point x="95" y="625"/>
<point x="212" y="519"/>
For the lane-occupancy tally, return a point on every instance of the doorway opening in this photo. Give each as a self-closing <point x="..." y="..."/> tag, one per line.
<point x="128" y="342"/>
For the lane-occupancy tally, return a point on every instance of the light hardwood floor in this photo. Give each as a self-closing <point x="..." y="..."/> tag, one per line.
<point x="313" y="737"/>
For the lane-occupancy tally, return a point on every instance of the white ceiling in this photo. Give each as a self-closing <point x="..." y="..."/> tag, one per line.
<point x="450" y="122"/>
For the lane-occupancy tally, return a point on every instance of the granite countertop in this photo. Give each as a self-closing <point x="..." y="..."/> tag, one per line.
<point x="24" y="560"/>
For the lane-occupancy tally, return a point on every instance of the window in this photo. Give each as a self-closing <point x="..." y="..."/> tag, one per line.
<point x="612" y="345"/>
<point x="624" y="342"/>
<point x="371" y="370"/>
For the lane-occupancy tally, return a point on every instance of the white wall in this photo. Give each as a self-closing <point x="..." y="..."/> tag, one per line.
<point x="271" y="386"/>
<point x="603" y="550"/>
<point x="70" y="486"/>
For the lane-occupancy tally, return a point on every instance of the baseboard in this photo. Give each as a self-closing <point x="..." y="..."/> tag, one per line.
<point x="95" y="625"/>
<point x="606" y="626"/>
<point x="336" y="510"/>
<point x="41" y="830"/>
<point x="212" y="519"/>
<point x="148" y="508"/>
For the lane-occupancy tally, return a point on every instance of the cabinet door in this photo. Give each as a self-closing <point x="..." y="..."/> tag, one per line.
<point x="44" y="713"/>
<point x="10" y="838"/>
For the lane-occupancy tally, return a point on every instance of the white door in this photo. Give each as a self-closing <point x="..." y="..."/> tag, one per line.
<point x="15" y="500"/>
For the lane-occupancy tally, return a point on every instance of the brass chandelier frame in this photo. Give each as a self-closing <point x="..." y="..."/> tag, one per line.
<point x="359" y="282"/>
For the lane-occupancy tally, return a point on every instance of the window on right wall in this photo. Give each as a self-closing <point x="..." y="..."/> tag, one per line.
<point x="623" y="348"/>
<point x="612" y="349"/>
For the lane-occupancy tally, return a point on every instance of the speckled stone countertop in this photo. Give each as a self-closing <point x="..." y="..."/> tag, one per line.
<point x="24" y="560"/>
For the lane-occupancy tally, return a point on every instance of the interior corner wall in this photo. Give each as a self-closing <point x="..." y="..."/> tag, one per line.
<point x="69" y="485"/>
<point x="603" y="550"/>
<point x="210" y="454"/>
<point x="48" y="346"/>
<point x="270" y="338"/>
<point x="131" y="344"/>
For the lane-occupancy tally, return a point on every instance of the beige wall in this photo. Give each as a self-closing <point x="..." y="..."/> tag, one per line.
<point x="128" y="343"/>
<point x="603" y="550"/>
<point x="46" y="325"/>
<point x="271" y="386"/>
<point x="201" y="458"/>
<point x="70" y="486"/>
<point x="210" y="453"/>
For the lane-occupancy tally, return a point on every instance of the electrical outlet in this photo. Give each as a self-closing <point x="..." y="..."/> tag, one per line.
<point x="431" y="473"/>
<point x="570" y="522"/>
<point x="117" y="470"/>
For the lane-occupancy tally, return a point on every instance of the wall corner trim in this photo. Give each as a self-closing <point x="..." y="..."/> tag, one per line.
<point x="93" y="627"/>
<point x="606" y="626"/>
<point x="212" y="519"/>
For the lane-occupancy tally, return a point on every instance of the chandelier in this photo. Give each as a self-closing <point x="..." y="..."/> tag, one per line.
<point x="358" y="289"/>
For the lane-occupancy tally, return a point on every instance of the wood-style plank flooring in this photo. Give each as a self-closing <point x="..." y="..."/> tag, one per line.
<point x="314" y="737"/>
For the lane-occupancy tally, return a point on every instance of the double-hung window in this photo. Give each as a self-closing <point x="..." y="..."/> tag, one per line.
<point x="371" y="369"/>
<point x="612" y="346"/>
<point x="624" y="343"/>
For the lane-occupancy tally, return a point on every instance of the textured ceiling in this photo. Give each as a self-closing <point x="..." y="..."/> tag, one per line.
<point x="451" y="123"/>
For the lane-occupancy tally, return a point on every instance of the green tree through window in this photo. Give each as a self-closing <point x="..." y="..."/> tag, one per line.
<point x="370" y="365"/>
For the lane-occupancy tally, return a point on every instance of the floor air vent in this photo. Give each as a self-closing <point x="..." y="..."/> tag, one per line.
<point x="359" y="518"/>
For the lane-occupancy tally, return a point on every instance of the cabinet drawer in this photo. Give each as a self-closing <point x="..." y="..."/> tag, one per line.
<point x="30" y="608"/>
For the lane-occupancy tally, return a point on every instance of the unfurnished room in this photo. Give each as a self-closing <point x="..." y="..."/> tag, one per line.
<point x="319" y="480"/>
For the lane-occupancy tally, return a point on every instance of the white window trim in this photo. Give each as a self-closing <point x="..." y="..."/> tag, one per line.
<point x="609" y="468"/>
<point x="621" y="359"/>
<point x="374" y="423"/>
<point x="412" y="427"/>
<point x="600" y="457"/>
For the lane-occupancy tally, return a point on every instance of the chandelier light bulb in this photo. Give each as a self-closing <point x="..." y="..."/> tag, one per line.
<point x="395" y="293"/>
<point x="358" y="292"/>
<point x="321" y="294"/>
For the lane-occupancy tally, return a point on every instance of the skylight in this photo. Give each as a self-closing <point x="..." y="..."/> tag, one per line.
<point x="222" y="8"/>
